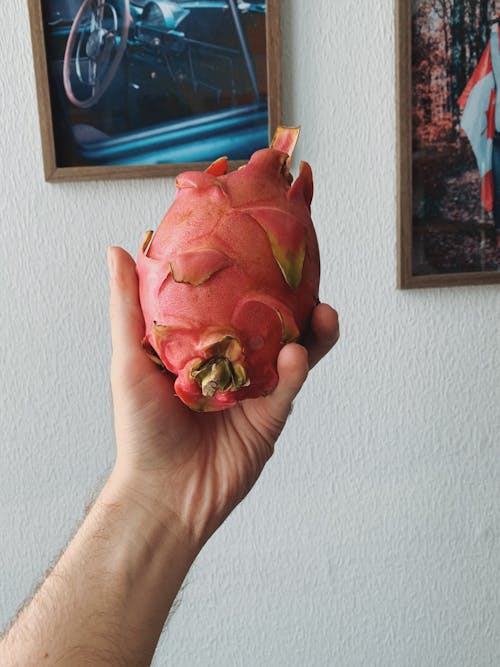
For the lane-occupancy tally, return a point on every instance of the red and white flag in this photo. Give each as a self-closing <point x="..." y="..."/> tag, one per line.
<point x="477" y="104"/>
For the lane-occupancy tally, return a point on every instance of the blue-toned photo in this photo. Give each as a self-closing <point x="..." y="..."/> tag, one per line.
<point x="136" y="82"/>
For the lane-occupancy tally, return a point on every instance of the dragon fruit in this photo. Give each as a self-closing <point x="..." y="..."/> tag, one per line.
<point x="231" y="275"/>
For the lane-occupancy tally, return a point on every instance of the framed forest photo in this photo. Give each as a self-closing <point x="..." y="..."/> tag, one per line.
<point x="448" y="142"/>
<point x="136" y="88"/>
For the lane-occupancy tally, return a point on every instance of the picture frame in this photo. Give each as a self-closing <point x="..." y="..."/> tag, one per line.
<point x="156" y="90"/>
<point x="448" y="234"/>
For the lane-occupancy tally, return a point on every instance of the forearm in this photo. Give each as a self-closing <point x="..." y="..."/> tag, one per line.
<point x="108" y="597"/>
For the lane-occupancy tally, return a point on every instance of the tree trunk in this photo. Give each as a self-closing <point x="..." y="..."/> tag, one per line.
<point x="485" y="15"/>
<point x="447" y="50"/>
<point x="458" y="64"/>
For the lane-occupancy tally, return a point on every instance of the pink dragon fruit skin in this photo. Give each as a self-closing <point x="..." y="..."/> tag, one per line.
<point x="231" y="275"/>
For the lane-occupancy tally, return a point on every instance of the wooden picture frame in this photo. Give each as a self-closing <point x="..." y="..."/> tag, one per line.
<point x="446" y="236"/>
<point x="235" y="108"/>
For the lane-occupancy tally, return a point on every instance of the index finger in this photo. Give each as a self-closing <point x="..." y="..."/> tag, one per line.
<point x="323" y="333"/>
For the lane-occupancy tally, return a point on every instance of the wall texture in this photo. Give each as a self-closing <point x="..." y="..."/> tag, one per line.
<point x="373" y="536"/>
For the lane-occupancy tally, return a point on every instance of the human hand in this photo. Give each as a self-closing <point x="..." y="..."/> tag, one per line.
<point x="195" y="467"/>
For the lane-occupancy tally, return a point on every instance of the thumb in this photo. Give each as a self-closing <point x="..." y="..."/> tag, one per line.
<point x="127" y="322"/>
<point x="292" y="372"/>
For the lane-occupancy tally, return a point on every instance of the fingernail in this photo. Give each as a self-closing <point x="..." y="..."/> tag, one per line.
<point x="111" y="262"/>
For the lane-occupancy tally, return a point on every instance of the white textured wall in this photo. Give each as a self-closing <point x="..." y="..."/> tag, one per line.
<point x="373" y="537"/>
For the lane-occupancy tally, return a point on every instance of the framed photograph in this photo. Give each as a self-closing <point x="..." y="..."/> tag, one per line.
<point x="448" y="66"/>
<point x="136" y="88"/>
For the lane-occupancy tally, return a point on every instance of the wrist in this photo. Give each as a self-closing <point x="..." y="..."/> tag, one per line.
<point x="142" y="504"/>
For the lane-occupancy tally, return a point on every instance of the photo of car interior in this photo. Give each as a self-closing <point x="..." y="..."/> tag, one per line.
<point x="136" y="82"/>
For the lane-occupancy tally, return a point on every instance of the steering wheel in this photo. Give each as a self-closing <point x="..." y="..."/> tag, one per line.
<point x="99" y="49"/>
